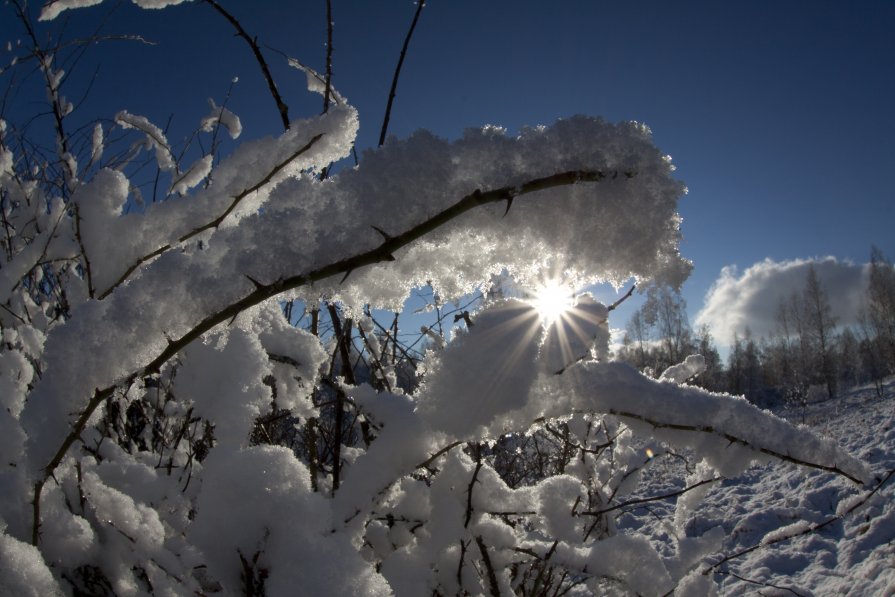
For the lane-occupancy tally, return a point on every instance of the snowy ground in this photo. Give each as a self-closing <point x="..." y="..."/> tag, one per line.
<point x="854" y="555"/>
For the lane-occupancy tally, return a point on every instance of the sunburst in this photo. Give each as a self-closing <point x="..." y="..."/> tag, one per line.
<point x="552" y="299"/>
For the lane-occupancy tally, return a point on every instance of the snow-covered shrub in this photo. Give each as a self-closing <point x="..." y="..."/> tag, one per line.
<point x="166" y="430"/>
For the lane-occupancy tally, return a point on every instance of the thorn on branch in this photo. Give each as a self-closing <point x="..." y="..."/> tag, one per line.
<point x="385" y="235"/>
<point x="509" y="205"/>
<point x="258" y="285"/>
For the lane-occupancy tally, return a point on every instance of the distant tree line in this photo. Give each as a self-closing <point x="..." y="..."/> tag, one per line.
<point x="807" y="357"/>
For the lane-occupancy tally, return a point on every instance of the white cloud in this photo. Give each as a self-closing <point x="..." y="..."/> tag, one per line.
<point x="735" y="302"/>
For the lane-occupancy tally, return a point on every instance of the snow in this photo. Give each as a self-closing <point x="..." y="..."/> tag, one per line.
<point x="155" y="137"/>
<point x="582" y="327"/>
<point x="776" y="500"/>
<point x="223" y="116"/>
<point x="259" y="499"/>
<point x="317" y="83"/>
<point x="194" y="175"/>
<point x="181" y="288"/>
<point x="53" y="8"/>
<point x="483" y="372"/>
<point x="692" y="366"/>
<point x="23" y="571"/>
<point x="97" y="143"/>
<point x="222" y="376"/>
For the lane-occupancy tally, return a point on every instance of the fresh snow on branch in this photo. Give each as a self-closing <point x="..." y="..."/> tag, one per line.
<point x="224" y="117"/>
<point x="53" y="8"/>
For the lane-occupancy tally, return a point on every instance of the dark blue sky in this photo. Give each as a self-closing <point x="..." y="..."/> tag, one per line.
<point x="778" y="114"/>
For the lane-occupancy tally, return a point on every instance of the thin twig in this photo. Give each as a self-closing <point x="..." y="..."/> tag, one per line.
<point x="393" y="90"/>
<point x="493" y="585"/>
<point x="626" y="296"/>
<point x="216" y="221"/>
<point x="477" y="451"/>
<point x="763" y="584"/>
<point x="653" y="498"/>
<point x="329" y="55"/>
<point x="256" y="50"/>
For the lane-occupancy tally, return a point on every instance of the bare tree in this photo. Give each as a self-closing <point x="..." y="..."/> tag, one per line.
<point x="820" y="326"/>
<point x="881" y="304"/>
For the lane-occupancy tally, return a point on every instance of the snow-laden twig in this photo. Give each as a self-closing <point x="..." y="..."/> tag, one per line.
<point x="656" y="424"/>
<point x="214" y="223"/>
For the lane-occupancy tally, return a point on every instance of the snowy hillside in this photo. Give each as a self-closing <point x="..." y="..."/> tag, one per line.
<point x="851" y="555"/>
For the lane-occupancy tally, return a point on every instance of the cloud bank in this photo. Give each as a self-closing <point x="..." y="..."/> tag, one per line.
<point x="750" y="300"/>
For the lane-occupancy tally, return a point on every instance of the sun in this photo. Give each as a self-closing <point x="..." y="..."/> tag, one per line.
<point x="552" y="299"/>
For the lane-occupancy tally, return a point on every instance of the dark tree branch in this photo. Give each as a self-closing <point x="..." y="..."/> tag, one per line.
<point x="393" y="90"/>
<point x="653" y="498"/>
<point x="764" y="584"/>
<point x="343" y="339"/>
<point x="256" y="50"/>
<point x="329" y="55"/>
<point x="477" y="453"/>
<point x="91" y="291"/>
<point x="626" y="296"/>
<point x="493" y="585"/>
<point x="425" y="464"/>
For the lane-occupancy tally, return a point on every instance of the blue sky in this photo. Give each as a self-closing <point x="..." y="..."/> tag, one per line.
<point x="778" y="114"/>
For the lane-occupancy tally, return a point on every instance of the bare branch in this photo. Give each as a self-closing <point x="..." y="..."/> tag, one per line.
<point x="626" y="296"/>
<point x="329" y="54"/>
<point x="393" y="90"/>
<point x="256" y="50"/>
<point x="439" y="454"/>
<point x="652" y="498"/>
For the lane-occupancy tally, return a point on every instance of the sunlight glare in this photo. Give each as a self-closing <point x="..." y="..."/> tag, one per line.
<point x="552" y="300"/>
